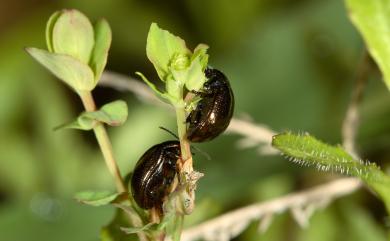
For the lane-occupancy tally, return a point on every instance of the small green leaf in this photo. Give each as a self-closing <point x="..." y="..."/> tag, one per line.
<point x="174" y="88"/>
<point x="102" y="45"/>
<point x="132" y="230"/>
<point x="77" y="75"/>
<point x="201" y="51"/>
<point x="155" y="90"/>
<point x="195" y="77"/>
<point x="189" y="72"/>
<point x="113" y="114"/>
<point x="73" y="35"/>
<point x="81" y="123"/>
<point x="161" y="47"/>
<point x="372" y="19"/>
<point x="98" y="198"/>
<point x="49" y="30"/>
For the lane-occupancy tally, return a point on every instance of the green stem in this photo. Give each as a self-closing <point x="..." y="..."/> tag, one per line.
<point x="179" y="219"/>
<point x="104" y="143"/>
<point x="106" y="148"/>
<point x="186" y="168"/>
<point x="182" y="128"/>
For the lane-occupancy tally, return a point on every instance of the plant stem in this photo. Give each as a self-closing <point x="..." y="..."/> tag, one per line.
<point x="186" y="156"/>
<point x="178" y="227"/>
<point x="106" y="148"/>
<point x="181" y="128"/>
<point x="104" y="143"/>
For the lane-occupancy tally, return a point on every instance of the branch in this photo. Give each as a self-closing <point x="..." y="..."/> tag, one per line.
<point x="351" y="120"/>
<point x="125" y="83"/>
<point x="253" y="135"/>
<point x="301" y="204"/>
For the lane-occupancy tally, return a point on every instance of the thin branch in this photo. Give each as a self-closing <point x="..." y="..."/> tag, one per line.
<point x="125" y="83"/>
<point x="254" y="135"/>
<point x="351" y="120"/>
<point x="229" y="225"/>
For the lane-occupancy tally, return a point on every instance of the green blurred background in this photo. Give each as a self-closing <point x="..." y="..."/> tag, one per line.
<point x="291" y="64"/>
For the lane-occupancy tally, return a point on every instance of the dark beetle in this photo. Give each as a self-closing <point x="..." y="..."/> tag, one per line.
<point x="154" y="174"/>
<point x="214" y="111"/>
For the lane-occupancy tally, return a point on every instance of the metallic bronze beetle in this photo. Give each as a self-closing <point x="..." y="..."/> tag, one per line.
<point x="154" y="174"/>
<point x="214" y="111"/>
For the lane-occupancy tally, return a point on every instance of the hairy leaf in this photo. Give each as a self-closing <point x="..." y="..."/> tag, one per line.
<point x="307" y="151"/>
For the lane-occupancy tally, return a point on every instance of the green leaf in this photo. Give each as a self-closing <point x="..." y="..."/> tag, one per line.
<point x="188" y="72"/>
<point x="73" y="35"/>
<point x="195" y="77"/>
<point x="372" y="19"/>
<point x="161" y="47"/>
<point x="49" y="30"/>
<point x="113" y="114"/>
<point x="174" y="88"/>
<point x="201" y="51"/>
<point x="307" y="151"/>
<point x="98" y="198"/>
<point x="163" y="96"/>
<point x="81" y="123"/>
<point x="77" y="75"/>
<point x="102" y="45"/>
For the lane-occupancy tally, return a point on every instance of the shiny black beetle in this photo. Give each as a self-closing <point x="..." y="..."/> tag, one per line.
<point x="154" y="174"/>
<point x="214" y="111"/>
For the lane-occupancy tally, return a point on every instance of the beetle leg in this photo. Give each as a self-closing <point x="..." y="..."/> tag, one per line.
<point x="188" y="119"/>
<point x="195" y="116"/>
<point x="196" y="92"/>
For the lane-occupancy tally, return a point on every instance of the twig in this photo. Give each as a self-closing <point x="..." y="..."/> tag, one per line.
<point x="125" y="83"/>
<point x="231" y="224"/>
<point x="254" y="135"/>
<point x="351" y="120"/>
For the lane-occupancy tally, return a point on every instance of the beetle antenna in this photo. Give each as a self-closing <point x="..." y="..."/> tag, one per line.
<point x="170" y="132"/>
<point x="205" y="154"/>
